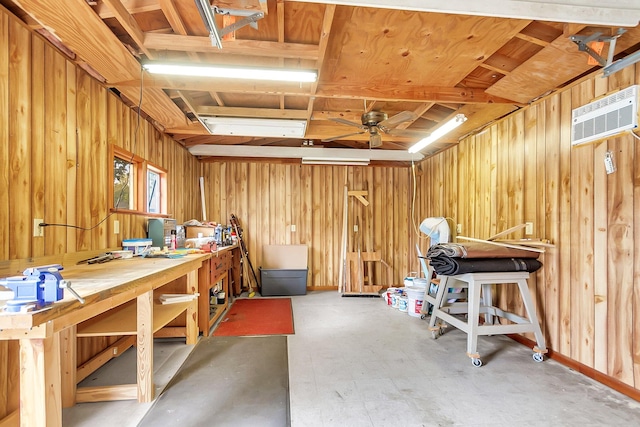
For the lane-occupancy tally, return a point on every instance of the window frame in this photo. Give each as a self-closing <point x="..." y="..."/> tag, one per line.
<point x="139" y="189"/>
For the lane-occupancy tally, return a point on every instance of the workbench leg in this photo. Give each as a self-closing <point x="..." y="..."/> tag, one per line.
<point x="40" y="394"/>
<point x="145" y="347"/>
<point x="531" y="314"/>
<point x="68" y="364"/>
<point x="473" y="294"/>
<point x="192" y="311"/>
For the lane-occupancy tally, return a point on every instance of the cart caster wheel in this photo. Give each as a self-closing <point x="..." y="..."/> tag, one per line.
<point x="476" y="362"/>
<point x="538" y="357"/>
<point x="434" y="335"/>
<point x="422" y="317"/>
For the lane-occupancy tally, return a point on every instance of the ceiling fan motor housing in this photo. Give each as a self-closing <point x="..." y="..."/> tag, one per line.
<point x="372" y="118"/>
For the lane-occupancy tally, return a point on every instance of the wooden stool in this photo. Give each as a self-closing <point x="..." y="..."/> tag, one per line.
<point x="475" y="283"/>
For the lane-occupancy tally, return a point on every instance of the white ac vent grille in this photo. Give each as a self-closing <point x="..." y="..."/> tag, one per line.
<point x="605" y="117"/>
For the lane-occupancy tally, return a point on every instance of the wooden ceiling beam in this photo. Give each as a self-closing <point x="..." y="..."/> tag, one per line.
<point x="133" y="6"/>
<point x="410" y="93"/>
<point x="419" y="112"/>
<point x="128" y="23"/>
<point x="220" y="85"/>
<point x="178" y="42"/>
<point x="263" y="113"/>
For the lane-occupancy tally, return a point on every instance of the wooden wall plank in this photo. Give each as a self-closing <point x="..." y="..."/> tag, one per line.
<point x="620" y="244"/>
<point x="581" y="239"/>
<point x="84" y="166"/>
<point x="552" y="220"/>
<point x="19" y="140"/>
<point x="71" y="156"/>
<point x="55" y="151"/>
<point x="564" y="208"/>
<point x="636" y="261"/>
<point x="4" y="136"/>
<point x="600" y="255"/>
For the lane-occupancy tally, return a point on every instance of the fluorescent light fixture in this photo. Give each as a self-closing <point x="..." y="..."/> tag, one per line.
<point x="264" y="128"/>
<point x="231" y="72"/>
<point x="269" y="151"/>
<point x="436" y="134"/>
<point x="344" y="161"/>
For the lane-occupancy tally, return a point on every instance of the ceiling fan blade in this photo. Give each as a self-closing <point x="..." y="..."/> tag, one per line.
<point x="409" y="133"/>
<point x="347" y="122"/>
<point x="401" y="117"/>
<point x="334" y="138"/>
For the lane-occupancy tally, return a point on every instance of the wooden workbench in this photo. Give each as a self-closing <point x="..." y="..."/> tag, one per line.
<point x="48" y="337"/>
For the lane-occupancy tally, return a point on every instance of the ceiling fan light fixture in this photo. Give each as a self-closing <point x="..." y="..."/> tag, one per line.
<point x="229" y="72"/>
<point x="438" y="133"/>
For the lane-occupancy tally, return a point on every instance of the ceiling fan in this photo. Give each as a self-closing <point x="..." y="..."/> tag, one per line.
<point x="377" y="123"/>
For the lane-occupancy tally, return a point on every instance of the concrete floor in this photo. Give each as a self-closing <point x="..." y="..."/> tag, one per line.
<point x="357" y="362"/>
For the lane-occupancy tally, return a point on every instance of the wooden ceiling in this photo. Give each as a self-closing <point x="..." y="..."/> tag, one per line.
<point x="436" y="65"/>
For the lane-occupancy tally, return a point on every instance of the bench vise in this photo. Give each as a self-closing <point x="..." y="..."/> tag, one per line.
<point x="38" y="287"/>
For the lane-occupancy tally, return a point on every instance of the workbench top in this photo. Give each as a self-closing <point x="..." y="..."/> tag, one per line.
<point x="104" y="286"/>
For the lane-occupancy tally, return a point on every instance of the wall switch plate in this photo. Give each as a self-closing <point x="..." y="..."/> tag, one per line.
<point x="116" y="227"/>
<point x="528" y="229"/>
<point x="459" y="228"/>
<point x="38" y="230"/>
<point x="293" y="228"/>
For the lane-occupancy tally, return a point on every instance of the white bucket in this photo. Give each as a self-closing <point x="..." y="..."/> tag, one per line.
<point x="415" y="298"/>
<point x="419" y="282"/>
<point x="402" y="304"/>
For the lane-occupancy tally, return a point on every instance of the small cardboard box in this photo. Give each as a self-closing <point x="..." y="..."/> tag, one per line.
<point x="284" y="270"/>
<point x="192" y="231"/>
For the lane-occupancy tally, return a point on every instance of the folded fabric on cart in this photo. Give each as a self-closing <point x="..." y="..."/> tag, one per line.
<point x="449" y="266"/>
<point x="478" y="250"/>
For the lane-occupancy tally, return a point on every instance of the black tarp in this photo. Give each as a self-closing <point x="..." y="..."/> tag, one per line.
<point x="448" y="266"/>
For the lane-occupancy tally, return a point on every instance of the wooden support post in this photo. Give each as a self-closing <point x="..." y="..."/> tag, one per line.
<point x="40" y="390"/>
<point x="145" y="347"/>
<point x="192" y="311"/>
<point x="68" y="349"/>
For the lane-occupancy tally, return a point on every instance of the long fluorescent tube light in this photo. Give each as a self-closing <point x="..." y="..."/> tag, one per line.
<point x="230" y="72"/>
<point x="344" y="161"/>
<point x="264" y="128"/>
<point x="436" y="134"/>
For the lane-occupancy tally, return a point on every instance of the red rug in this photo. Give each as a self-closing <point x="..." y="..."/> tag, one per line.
<point x="259" y="316"/>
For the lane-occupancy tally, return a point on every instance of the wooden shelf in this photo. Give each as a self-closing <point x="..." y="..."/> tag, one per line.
<point x="123" y="321"/>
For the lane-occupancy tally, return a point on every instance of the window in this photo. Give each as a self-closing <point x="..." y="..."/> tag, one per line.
<point x="138" y="186"/>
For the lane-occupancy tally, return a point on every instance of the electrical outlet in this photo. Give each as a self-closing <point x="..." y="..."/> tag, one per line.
<point x="355" y="228"/>
<point x="293" y="228"/>
<point x="38" y="230"/>
<point x="459" y="228"/>
<point x="528" y="229"/>
<point x="116" y="227"/>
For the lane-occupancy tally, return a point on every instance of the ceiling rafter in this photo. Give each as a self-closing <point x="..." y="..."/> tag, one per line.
<point x="129" y="24"/>
<point x="202" y="44"/>
<point x="327" y="22"/>
<point x="265" y="113"/>
<point x="410" y="93"/>
<point x="133" y="6"/>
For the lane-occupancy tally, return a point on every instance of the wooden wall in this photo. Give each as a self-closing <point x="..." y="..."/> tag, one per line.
<point x="55" y="126"/>
<point x="524" y="169"/>
<point x="269" y="198"/>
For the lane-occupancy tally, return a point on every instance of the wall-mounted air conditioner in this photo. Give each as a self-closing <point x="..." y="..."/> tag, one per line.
<point x="605" y="117"/>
